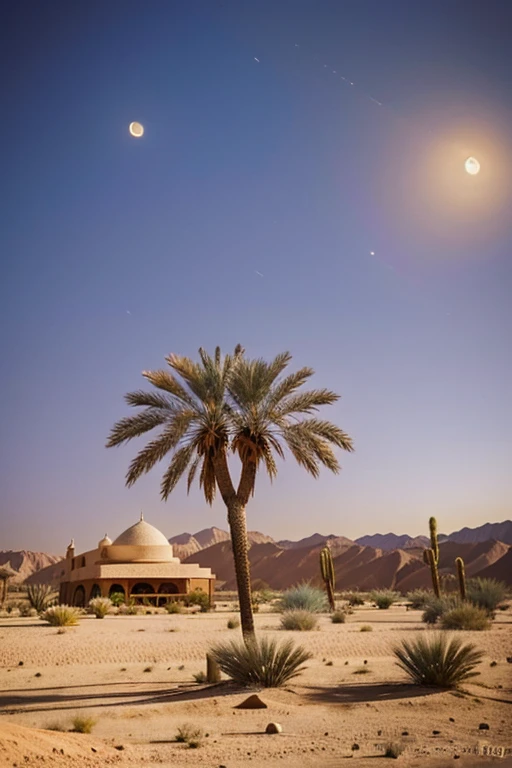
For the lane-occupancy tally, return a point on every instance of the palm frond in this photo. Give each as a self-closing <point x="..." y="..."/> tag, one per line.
<point x="176" y="469"/>
<point x="134" y="426"/>
<point x="306" y="402"/>
<point x="192" y="472"/>
<point x="156" y="450"/>
<point x="288" y="386"/>
<point x="328" y="431"/>
<point x="166" y="381"/>
<point x="150" y="399"/>
<point x="207" y="479"/>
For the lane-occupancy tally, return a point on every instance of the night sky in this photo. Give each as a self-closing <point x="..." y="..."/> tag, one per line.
<point x="257" y="157"/>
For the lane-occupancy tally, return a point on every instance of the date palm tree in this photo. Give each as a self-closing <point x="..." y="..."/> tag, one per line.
<point x="223" y="404"/>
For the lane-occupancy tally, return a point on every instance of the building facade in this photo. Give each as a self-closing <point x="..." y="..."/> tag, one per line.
<point x="139" y="564"/>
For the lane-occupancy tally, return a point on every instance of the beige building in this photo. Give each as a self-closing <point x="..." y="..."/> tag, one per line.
<point x="139" y="564"/>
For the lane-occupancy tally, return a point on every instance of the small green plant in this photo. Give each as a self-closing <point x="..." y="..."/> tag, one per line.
<point x="355" y="599"/>
<point x="393" y="749"/>
<point x="303" y="597"/>
<point x="83" y="724"/>
<point x="486" y="593"/>
<point x="438" y="660"/>
<point x="300" y="621"/>
<point x="437" y="606"/>
<point x="418" y="598"/>
<point x="100" y="606"/>
<point x="190" y="735"/>
<point x="117" y="599"/>
<point x="233" y="623"/>
<point x="198" y="597"/>
<point x="39" y="596"/>
<point x="61" y="615"/>
<point x="338" y="617"/>
<point x="200" y="677"/>
<point x="384" y="598"/>
<point x="366" y="628"/>
<point x="466" y="616"/>
<point x="261" y="662"/>
<point x="173" y="606"/>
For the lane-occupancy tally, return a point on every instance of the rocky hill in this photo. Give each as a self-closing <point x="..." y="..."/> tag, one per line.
<point x="186" y="544"/>
<point x="26" y="562"/>
<point x="498" y="531"/>
<point x="388" y="541"/>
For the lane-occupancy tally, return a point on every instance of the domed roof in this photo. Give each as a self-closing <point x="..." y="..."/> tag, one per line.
<point x="142" y="534"/>
<point x="106" y="541"/>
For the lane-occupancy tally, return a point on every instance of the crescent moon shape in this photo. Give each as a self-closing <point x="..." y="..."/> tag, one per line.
<point x="472" y="166"/>
<point x="136" y="129"/>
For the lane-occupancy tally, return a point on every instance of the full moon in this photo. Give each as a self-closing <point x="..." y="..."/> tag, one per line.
<point x="472" y="166"/>
<point x="137" y="130"/>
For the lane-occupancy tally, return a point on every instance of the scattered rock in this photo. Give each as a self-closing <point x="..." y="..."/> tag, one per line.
<point x="405" y="733"/>
<point x="37" y="674"/>
<point x="346" y="663"/>
<point x="483" y="727"/>
<point x="93" y="749"/>
<point x="253" y="702"/>
<point x="436" y="733"/>
<point x="119" y="747"/>
<point x="355" y="747"/>
<point x="493" y="664"/>
<point x="456" y="757"/>
<point x="509" y="659"/>
<point x="20" y="663"/>
<point x="326" y="733"/>
<point x="274" y="728"/>
<point x="365" y="661"/>
<point x="451" y="719"/>
<point x="379" y="733"/>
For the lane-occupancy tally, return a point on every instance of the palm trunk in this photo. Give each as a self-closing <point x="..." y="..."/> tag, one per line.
<point x="240" y="545"/>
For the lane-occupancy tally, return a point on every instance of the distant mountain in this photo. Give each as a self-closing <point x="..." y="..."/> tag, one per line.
<point x="497" y="531"/>
<point x="389" y="541"/>
<point x="186" y="544"/>
<point x="311" y="541"/>
<point x="26" y="562"/>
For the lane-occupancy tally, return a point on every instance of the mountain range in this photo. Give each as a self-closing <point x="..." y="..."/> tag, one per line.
<point x="377" y="561"/>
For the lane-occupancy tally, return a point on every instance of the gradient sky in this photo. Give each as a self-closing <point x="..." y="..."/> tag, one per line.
<point x="116" y="251"/>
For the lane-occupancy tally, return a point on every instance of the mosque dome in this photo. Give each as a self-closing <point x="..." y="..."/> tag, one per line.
<point x="105" y="542"/>
<point x="142" y="534"/>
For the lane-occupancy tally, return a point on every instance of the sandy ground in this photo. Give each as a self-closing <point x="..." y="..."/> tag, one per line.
<point x="98" y="669"/>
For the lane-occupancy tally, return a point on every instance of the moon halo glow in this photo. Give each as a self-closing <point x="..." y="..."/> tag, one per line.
<point x="136" y="129"/>
<point x="472" y="166"/>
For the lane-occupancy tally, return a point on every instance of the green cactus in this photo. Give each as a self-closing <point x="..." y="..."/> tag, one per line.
<point x="39" y="596"/>
<point x="327" y="571"/>
<point x="461" y="573"/>
<point x="431" y="556"/>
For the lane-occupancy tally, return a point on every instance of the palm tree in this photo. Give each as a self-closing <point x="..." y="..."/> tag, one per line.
<point x="222" y="404"/>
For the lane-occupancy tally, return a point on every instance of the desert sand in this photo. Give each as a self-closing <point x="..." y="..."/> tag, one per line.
<point x="97" y="668"/>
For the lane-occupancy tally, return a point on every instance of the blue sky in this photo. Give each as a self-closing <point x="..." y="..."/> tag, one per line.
<point x="117" y="251"/>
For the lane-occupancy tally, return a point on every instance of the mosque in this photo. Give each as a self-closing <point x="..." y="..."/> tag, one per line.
<point x="138" y="564"/>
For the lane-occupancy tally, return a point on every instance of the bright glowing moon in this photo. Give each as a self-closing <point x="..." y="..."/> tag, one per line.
<point x="472" y="166"/>
<point x="136" y="129"/>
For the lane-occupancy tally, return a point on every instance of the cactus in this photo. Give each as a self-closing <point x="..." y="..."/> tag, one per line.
<point x="327" y="571"/>
<point x="431" y="556"/>
<point x="39" y="596"/>
<point x="461" y="573"/>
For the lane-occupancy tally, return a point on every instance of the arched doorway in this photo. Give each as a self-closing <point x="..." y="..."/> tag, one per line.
<point x="167" y="588"/>
<point x="117" y="594"/>
<point x="95" y="591"/>
<point x="143" y="588"/>
<point x="79" y="597"/>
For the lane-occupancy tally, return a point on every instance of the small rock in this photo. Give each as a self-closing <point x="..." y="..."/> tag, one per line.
<point x="379" y="733"/>
<point x="93" y="749"/>
<point x="253" y="702"/>
<point x="355" y="747"/>
<point x="365" y="661"/>
<point x="346" y="663"/>
<point x="274" y="728"/>
<point x="436" y="733"/>
<point x="326" y="733"/>
<point x="493" y="664"/>
<point x="405" y="733"/>
<point x="119" y="747"/>
<point x="20" y="663"/>
<point x="456" y="757"/>
<point x="483" y="727"/>
<point x="37" y="674"/>
<point x="509" y="659"/>
<point x="451" y="719"/>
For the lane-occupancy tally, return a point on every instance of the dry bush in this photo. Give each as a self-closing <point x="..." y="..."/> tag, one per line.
<point x="261" y="662"/>
<point x="300" y="621"/>
<point x="61" y="615"/>
<point x="83" y="723"/>
<point x="438" y="660"/>
<point x="467" y="617"/>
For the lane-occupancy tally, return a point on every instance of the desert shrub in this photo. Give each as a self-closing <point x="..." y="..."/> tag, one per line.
<point x="384" y="598"/>
<point x="189" y="734"/>
<point x="233" y="623"/>
<point x="418" y="598"/>
<point x="338" y="617"/>
<point x="83" y="724"/>
<point x="486" y="593"/>
<point x="301" y="621"/>
<point x="173" y="606"/>
<point x="39" y="596"/>
<point x="55" y="726"/>
<point x="438" y="660"/>
<point x="303" y="597"/>
<point x="435" y="607"/>
<point x="466" y="616"/>
<point x="61" y="615"/>
<point x="393" y="749"/>
<point x="355" y="599"/>
<point x="26" y="610"/>
<point x="198" y="597"/>
<point x="117" y="599"/>
<point x="366" y="628"/>
<point x="129" y="609"/>
<point x="100" y="606"/>
<point x="265" y="595"/>
<point x="262" y="662"/>
<point x="200" y="677"/>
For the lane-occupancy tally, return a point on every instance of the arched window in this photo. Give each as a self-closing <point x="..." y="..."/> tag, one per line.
<point x="167" y="588"/>
<point x="116" y="589"/>
<point x="79" y="597"/>
<point x="95" y="591"/>
<point x="142" y="588"/>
